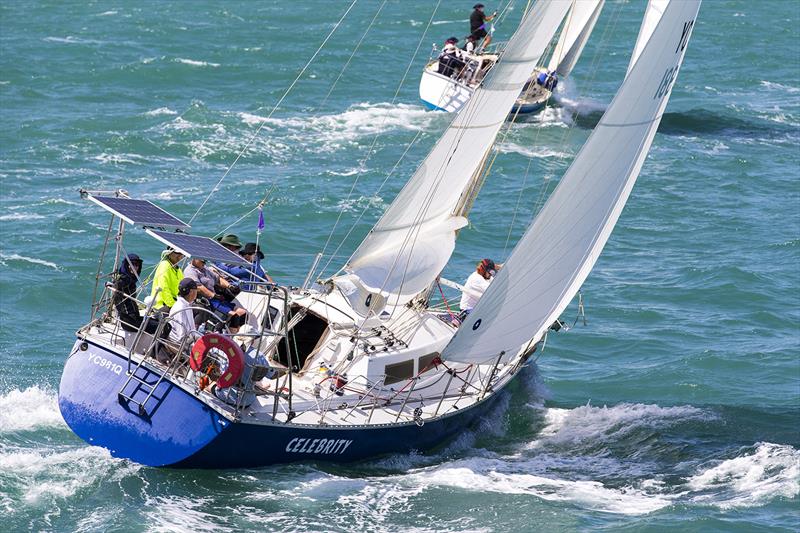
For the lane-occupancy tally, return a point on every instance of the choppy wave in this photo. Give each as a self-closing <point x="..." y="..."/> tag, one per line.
<point x="196" y="63"/>
<point x="492" y="475"/>
<point x="753" y="478"/>
<point x="543" y="153"/>
<point x="38" y="476"/>
<point x="160" y="111"/>
<point x="6" y="258"/>
<point x="359" y="120"/>
<point x="598" y="424"/>
<point x="22" y="410"/>
<point x="22" y="216"/>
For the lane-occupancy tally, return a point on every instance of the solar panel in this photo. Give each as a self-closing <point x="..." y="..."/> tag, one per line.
<point x="139" y="212"/>
<point x="200" y="247"/>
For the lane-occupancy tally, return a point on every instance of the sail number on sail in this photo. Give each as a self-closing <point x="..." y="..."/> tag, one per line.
<point x="672" y="72"/>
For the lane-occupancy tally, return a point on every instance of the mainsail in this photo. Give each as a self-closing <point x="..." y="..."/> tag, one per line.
<point x="413" y="240"/>
<point x="578" y="27"/>
<point x="556" y="254"/>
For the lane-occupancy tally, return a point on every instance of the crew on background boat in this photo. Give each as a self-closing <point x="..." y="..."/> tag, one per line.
<point x="476" y="284"/>
<point x="219" y="292"/>
<point x="469" y="44"/>
<point x="167" y="277"/>
<point x="477" y="24"/>
<point x="548" y="80"/>
<point x="451" y="60"/>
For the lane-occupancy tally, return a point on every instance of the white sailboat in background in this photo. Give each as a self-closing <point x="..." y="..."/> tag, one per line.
<point x="363" y="365"/>
<point x="449" y="93"/>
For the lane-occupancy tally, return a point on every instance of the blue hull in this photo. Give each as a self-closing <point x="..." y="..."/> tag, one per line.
<point x="178" y="430"/>
<point x="432" y="107"/>
<point x="520" y="109"/>
<point x="526" y="108"/>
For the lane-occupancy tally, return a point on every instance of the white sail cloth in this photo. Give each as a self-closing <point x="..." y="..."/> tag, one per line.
<point x="655" y="9"/>
<point x="412" y="242"/>
<point x="578" y="27"/>
<point x="556" y="254"/>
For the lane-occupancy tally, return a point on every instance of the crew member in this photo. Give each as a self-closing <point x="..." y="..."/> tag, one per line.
<point x="219" y="292"/>
<point x="476" y="284"/>
<point x="167" y="276"/>
<point x="181" y="315"/>
<point x="450" y="63"/>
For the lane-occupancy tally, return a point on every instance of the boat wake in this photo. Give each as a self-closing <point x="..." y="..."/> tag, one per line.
<point x="627" y="459"/>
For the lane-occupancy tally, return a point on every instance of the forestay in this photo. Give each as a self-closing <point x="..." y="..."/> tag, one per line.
<point x="577" y="28"/>
<point x="413" y="240"/>
<point x="556" y="254"/>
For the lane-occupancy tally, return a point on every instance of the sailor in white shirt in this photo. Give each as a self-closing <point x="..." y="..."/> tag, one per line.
<point x="476" y="284"/>
<point x="181" y="314"/>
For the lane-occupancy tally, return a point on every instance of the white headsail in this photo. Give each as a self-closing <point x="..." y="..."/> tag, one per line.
<point x="655" y="9"/>
<point x="578" y="27"/>
<point x="412" y="242"/>
<point x="556" y="254"/>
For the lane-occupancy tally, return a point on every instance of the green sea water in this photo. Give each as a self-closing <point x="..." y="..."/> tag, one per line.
<point x="676" y="407"/>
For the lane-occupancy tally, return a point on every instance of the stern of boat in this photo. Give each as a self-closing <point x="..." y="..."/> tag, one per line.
<point x="143" y="416"/>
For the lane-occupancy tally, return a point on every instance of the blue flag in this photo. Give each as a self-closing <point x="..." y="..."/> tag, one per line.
<point x="260" y="220"/>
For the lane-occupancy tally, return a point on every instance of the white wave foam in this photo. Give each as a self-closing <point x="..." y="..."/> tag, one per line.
<point x="53" y="201"/>
<point x="73" y="230"/>
<point x="22" y="216"/>
<point x="597" y="424"/>
<point x="359" y="120"/>
<point x="345" y="173"/>
<point x="509" y="148"/>
<point x="181" y="514"/>
<point x="41" y="475"/>
<point x="28" y="409"/>
<point x="69" y="39"/>
<point x="482" y="475"/>
<point x="195" y="63"/>
<point x="107" y="14"/>
<point x="17" y="257"/>
<point x="772" y="471"/>
<point x="160" y="111"/>
<point x="118" y="159"/>
<point x="780" y="87"/>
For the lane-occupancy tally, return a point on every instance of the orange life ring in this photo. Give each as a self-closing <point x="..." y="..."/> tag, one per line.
<point x="226" y="346"/>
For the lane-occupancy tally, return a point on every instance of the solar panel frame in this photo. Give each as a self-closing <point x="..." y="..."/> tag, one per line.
<point x="198" y="246"/>
<point x="139" y="212"/>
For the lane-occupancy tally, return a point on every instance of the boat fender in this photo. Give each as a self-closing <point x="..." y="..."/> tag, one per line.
<point x="224" y="345"/>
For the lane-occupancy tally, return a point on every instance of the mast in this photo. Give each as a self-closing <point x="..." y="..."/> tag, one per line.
<point x="556" y="254"/>
<point x="413" y="240"/>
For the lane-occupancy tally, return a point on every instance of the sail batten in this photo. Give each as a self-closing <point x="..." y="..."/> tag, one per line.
<point x="413" y="240"/>
<point x="557" y="252"/>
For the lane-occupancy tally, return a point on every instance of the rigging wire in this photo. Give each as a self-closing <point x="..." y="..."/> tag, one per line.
<point x="274" y="108"/>
<point x="352" y="54"/>
<point x="549" y="168"/>
<point x="370" y="151"/>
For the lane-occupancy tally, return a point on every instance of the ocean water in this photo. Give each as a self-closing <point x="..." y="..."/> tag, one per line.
<point x="676" y="407"/>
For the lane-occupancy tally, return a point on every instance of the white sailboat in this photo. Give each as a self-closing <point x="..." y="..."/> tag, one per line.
<point x="443" y="92"/>
<point x="362" y="365"/>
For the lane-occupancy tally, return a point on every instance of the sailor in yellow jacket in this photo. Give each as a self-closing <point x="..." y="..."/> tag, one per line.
<point x="167" y="277"/>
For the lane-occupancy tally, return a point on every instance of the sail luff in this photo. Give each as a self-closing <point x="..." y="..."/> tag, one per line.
<point x="652" y="15"/>
<point x="556" y="254"/>
<point x="413" y="240"/>
<point x="577" y="29"/>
